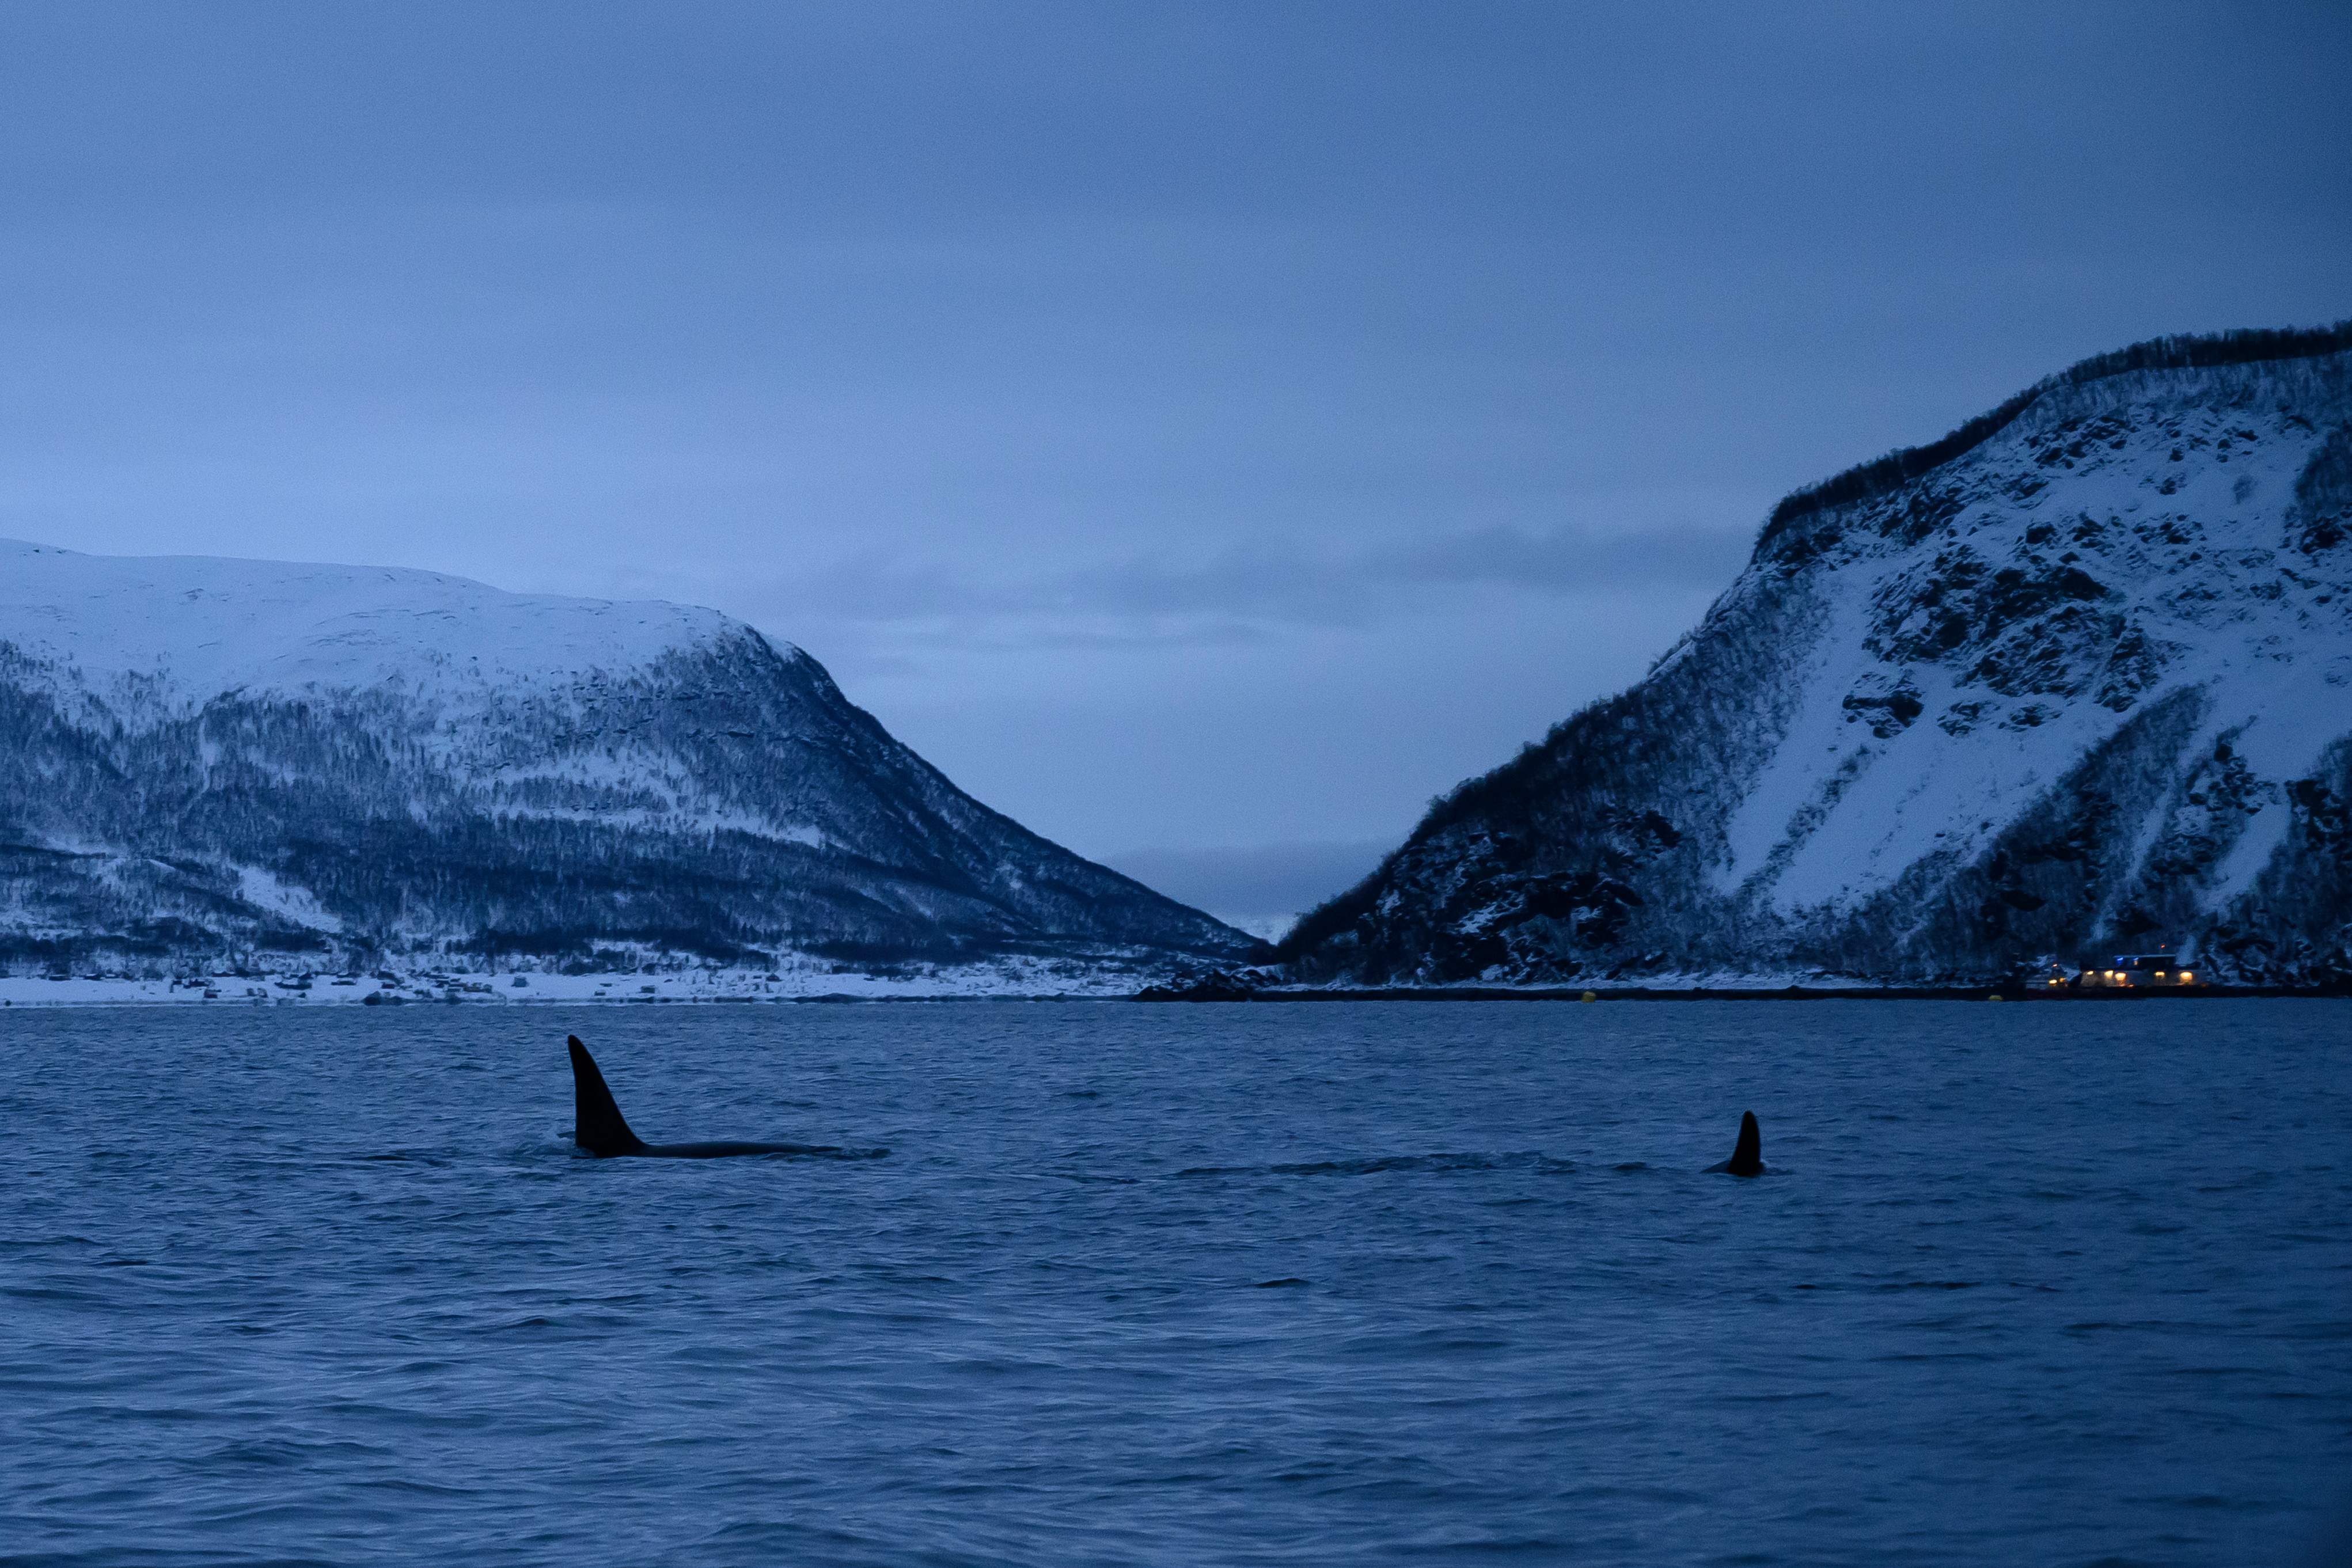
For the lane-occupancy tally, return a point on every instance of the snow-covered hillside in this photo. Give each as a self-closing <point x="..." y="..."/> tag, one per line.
<point x="269" y="764"/>
<point x="198" y="627"/>
<point x="2078" y="677"/>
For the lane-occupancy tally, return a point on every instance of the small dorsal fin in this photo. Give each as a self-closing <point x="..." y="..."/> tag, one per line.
<point x="1748" y="1156"/>
<point x="596" y="1123"/>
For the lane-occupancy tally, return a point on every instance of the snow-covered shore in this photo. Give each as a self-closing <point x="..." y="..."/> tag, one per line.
<point x="1008" y="980"/>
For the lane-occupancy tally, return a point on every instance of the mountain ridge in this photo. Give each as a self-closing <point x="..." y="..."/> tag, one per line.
<point x="2084" y="678"/>
<point x="2177" y="352"/>
<point x="267" y="763"/>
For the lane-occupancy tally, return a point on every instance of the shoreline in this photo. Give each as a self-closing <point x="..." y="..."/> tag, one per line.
<point x="233" y="992"/>
<point x="461" y="987"/>
<point x="1761" y="994"/>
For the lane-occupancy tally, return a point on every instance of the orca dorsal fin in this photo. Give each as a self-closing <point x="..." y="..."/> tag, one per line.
<point x="596" y="1123"/>
<point x="1748" y="1156"/>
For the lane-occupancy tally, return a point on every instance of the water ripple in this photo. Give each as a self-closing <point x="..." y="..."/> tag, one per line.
<point x="1325" y="1284"/>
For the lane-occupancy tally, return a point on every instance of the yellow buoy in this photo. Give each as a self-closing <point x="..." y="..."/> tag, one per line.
<point x="1588" y="997"/>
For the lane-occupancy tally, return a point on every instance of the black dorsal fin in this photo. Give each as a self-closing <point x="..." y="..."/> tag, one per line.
<point x="596" y="1123"/>
<point x="1747" y="1159"/>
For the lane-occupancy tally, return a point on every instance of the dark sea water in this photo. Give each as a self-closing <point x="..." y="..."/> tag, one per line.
<point x="1350" y="1284"/>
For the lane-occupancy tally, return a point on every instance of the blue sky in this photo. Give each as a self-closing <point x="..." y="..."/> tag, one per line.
<point x="1197" y="428"/>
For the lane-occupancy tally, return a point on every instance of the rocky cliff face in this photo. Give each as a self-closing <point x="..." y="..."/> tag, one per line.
<point x="2076" y="678"/>
<point x="214" y="762"/>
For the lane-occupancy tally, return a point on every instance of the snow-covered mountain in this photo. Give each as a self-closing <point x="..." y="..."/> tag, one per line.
<point x="2076" y="678"/>
<point x="208" y="762"/>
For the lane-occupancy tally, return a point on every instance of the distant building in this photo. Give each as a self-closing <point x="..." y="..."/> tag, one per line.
<point x="2125" y="970"/>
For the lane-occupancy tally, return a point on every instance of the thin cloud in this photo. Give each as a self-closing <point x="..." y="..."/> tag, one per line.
<point x="1239" y="594"/>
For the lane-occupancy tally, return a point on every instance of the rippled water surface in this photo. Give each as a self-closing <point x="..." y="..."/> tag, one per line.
<point x="1301" y="1284"/>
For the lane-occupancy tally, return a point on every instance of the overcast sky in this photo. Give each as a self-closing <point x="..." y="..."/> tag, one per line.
<point x="1195" y="427"/>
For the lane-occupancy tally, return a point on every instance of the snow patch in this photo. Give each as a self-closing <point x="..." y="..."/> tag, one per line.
<point x="263" y="890"/>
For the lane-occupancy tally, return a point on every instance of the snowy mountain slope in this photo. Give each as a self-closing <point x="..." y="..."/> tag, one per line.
<point x="2078" y="677"/>
<point x="232" y="760"/>
<point x="200" y="625"/>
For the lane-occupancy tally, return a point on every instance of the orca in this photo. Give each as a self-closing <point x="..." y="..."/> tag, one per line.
<point x="1748" y="1156"/>
<point x="597" y="1127"/>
